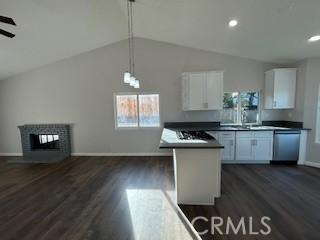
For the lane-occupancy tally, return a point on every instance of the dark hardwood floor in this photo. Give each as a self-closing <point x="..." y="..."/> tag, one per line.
<point x="133" y="198"/>
<point x="289" y="195"/>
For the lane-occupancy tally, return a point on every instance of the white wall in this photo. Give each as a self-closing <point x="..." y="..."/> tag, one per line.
<point x="79" y="90"/>
<point x="310" y="107"/>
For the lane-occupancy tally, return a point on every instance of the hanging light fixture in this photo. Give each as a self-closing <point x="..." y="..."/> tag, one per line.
<point x="128" y="76"/>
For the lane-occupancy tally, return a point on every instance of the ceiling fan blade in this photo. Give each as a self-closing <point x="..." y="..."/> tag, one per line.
<point x="7" y="34"/>
<point x="7" y="20"/>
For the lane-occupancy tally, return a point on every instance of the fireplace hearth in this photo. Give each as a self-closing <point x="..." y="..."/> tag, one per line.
<point x="45" y="143"/>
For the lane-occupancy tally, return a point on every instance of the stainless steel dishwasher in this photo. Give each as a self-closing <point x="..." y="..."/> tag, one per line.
<point x="286" y="147"/>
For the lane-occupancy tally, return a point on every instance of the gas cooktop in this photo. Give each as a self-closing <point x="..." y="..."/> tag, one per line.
<point x="192" y="135"/>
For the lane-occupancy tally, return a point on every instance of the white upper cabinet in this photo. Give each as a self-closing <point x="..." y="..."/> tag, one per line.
<point x="280" y="88"/>
<point x="202" y="90"/>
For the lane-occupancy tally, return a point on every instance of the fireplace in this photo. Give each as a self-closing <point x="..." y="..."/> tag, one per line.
<point x="45" y="143"/>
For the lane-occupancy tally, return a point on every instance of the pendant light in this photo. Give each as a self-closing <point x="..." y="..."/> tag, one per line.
<point x="128" y="76"/>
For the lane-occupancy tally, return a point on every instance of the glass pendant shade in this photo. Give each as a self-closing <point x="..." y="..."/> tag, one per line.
<point x="132" y="81"/>
<point x="137" y="84"/>
<point x="126" y="77"/>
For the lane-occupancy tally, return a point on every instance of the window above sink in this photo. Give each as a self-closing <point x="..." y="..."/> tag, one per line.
<point x="240" y="108"/>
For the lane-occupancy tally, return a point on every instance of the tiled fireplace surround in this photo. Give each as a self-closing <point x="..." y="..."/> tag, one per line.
<point x="31" y="155"/>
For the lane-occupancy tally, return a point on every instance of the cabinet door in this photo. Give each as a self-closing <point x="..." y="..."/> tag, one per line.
<point x="263" y="149"/>
<point x="214" y="90"/>
<point x="244" y="149"/>
<point x="197" y="82"/>
<point x="284" y="88"/>
<point x="228" y="151"/>
<point x="268" y="90"/>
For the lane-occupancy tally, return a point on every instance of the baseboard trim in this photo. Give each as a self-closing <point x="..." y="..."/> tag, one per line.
<point x="121" y="154"/>
<point x="11" y="154"/>
<point x="101" y="154"/>
<point x="312" y="164"/>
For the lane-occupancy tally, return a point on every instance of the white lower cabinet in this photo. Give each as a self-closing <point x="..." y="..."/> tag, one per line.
<point x="263" y="149"/>
<point x="245" y="146"/>
<point x="244" y="149"/>
<point x="227" y="139"/>
<point x="254" y="146"/>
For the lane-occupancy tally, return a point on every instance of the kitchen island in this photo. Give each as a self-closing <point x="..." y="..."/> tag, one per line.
<point x="197" y="157"/>
<point x="197" y="165"/>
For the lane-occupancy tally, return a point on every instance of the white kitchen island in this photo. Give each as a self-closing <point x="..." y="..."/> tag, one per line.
<point x="197" y="168"/>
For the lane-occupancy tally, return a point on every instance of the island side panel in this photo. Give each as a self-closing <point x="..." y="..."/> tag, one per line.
<point x="197" y="175"/>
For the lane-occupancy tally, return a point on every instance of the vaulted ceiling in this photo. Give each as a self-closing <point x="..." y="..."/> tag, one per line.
<point x="48" y="31"/>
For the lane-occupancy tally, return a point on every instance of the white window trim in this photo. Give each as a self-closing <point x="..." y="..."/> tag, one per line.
<point x="239" y="109"/>
<point x="138" y="127"/>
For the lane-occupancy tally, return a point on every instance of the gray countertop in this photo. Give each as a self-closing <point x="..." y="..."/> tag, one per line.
<point x="169" y="137"/>
<point x="238" y="128"/>
<point x="216" y="126"/>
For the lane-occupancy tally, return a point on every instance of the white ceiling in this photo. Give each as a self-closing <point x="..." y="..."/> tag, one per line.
<point x="268" y="30"/>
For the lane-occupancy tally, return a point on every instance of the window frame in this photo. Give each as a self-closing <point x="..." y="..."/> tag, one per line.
<point x="239" y="122"/>
<point x="138" y="112"/>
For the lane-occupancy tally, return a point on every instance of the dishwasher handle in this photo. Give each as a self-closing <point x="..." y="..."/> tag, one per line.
<point x="288" y="132"/>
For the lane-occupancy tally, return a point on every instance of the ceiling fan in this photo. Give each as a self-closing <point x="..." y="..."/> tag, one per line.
<point x="10" y="21"/>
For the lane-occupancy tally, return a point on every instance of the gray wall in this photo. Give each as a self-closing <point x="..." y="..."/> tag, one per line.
<point x="297" y="113"/>
<point x="306" y="103"/>
<point x="79" y="90"/>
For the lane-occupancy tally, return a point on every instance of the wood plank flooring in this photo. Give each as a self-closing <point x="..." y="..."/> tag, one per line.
<point x="289" y="195"/>
<point x="90" y="198"/>
<point x="133" y="198"/>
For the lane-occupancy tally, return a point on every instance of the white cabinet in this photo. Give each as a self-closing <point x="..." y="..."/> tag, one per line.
<point x="263" y="148"/>
<point x="254" y="146"/>
<point x="244" y="149"/>
<point x="227" y="139"/>
<point x="280" y="88"/>
<point x="202" y="90"/>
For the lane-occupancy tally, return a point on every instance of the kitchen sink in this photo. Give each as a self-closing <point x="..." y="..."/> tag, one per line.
<point x="262" y="128"/>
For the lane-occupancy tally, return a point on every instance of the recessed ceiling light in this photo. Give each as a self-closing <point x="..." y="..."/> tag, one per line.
<point x="314" y="38"/>
<point x="233" y="23"/>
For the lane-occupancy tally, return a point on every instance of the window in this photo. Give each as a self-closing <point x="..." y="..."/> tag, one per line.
<point x="230" y="108"/>
<point x="240" y="107"/>
<point x="137" y="110"/>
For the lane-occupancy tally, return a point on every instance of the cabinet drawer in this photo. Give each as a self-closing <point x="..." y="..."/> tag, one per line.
<point x="263" y="134"/>
<point x="227" y="134"/>
<point x="245" y="134"/>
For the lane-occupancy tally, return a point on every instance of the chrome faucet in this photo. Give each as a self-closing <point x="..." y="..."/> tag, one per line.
<point x="243" y="117"/>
